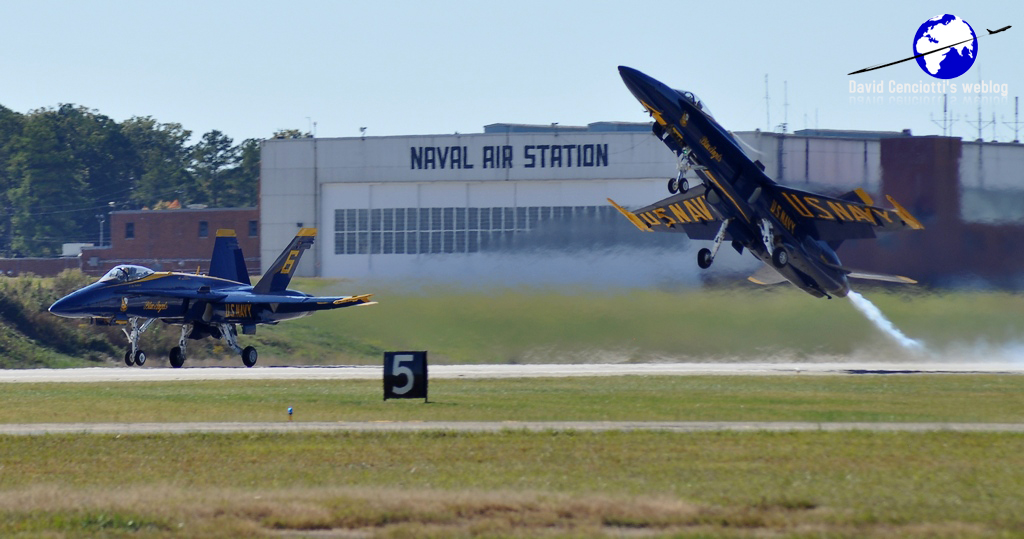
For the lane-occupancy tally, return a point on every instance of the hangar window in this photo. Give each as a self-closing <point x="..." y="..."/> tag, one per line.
<point x="204" y="229"/>
<point x="459" y="230"/>
<point x="129" y="231"/>
<point x="254" y="228"/>
<point x="399" y="242"/>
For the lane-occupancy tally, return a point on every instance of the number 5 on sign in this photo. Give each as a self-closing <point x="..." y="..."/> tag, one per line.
<point x="405" y="375"/>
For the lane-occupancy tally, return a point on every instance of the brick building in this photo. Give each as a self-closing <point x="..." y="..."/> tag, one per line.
<point x="164" y="240"/>
<point x="173" y="240"/>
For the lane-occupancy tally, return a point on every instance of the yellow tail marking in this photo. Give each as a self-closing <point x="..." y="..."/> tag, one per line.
<point x="225" y="233"/>
<point x="289" y="262"/>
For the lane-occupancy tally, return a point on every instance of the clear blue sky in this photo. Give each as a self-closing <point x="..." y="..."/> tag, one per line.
<point x="413" y="67"/>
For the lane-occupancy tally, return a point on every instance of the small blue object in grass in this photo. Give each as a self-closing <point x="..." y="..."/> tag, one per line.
<point x="289" y="413"/>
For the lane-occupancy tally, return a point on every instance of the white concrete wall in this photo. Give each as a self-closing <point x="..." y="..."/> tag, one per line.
<point x="992" y="182"/>
<point x="833" y="164"/>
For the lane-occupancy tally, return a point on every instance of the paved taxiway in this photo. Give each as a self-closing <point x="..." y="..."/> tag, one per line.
<point x="158" y="374"/>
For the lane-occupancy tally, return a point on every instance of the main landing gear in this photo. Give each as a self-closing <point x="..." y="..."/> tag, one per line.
<point x="178" y="352"/>
<point x="135" y="355"/>
<point x="248" y="354"/>
<point x="706" y="256"/>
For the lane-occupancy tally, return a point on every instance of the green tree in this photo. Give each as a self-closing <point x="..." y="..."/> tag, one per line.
<point x="164" y="159"/>
<point x="69" y="165"/>
<point x="48" y="187"/>
<point x="11" y="124"/>
<point x="211" y="157"/>
<point x="240" y="184"/>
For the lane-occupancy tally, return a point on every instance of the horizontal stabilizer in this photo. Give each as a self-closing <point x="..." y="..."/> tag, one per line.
<point x="881" y="277"/>
<point x="355" y="301"/>
<point x="766" y="275"/>
<point x="866" y="275"/>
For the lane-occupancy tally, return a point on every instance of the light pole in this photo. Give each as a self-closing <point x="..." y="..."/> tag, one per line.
<point x="102" y="217"/>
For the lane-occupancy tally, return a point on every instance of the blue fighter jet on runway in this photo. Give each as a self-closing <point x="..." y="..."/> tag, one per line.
<point x="204" y="305"/>
<point x="795" y="233"/>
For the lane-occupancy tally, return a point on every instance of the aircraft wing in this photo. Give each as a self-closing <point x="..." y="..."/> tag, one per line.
<point x="851" y="216"/>
<point x="340" y="301"/>
<point x="687" y="212"/>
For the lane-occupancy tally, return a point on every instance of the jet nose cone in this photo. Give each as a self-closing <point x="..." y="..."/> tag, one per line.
<point x="645" y="88"/>
<point x="631" y="77"/>
<point x="60" y="306"/>
<point x="69" y="306"/>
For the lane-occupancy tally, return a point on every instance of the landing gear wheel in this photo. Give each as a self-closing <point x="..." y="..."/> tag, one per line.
<point x="249" y="356"/>
<point x="140" y="358"/>
<point x="673" y="185"/>
<point x="704" y="259"/>
<point x="177" y="358"/>
<point x="780" y="257"/>
<point x="684" y="186"/>
<point x="128" y="359"/>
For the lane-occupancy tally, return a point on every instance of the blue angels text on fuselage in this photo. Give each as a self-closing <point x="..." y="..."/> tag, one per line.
<point x="204" y="305"/>
<point x="795" y="233"/>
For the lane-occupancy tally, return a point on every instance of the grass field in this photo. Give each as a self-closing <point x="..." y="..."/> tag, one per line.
<point x="516" y="483"/>
<point x="566" y="325"/>
<point x="542" y="325"/>
<point x="918" y="398"/>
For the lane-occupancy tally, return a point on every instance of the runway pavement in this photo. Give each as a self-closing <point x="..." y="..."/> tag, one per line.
<point x="158" y="374"/>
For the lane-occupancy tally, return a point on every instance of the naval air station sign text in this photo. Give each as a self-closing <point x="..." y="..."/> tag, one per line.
<point x="508" y="156"/>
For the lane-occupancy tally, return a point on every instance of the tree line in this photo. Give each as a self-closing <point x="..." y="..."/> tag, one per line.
<point x="63" y="169"/>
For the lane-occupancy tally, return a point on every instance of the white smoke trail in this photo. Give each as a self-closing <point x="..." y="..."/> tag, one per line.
<point x="876" y="317"/>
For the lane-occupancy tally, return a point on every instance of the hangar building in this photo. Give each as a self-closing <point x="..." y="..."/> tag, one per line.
<point x="527" y="204"/>
<point x="515" y="203"/>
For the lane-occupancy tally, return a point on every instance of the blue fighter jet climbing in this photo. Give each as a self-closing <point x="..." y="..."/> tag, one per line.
<point x="203" y="305"/>
<point x="795" y="233"/>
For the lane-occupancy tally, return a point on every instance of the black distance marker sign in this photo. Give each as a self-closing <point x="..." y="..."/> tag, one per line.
<point x="405" y="375"/>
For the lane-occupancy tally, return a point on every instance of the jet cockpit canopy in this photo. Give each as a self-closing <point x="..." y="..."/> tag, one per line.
<point x="125" y="273"/>
<point x="692" y="98"/>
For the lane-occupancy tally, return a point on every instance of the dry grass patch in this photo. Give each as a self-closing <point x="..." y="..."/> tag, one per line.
<point x="170" y="511"/>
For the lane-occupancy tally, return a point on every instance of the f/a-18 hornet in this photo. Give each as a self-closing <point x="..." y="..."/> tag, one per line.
<point x="795" y="233"/>
<point x="203" y="305"/>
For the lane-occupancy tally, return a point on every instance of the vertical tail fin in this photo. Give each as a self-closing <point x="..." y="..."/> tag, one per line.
<point x="280" y="273"/>
<point x="227" y="261"/>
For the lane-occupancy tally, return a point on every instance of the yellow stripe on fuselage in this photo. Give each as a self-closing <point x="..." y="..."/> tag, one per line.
<point x="164" y="274"/>
<point x="726" y="191"/>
